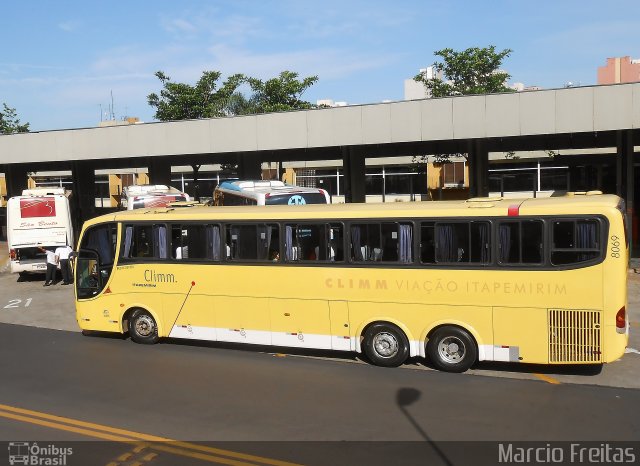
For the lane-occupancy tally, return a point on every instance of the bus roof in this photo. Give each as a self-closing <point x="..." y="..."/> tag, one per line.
<point x="46" y="191"/>
<point x="149" y="190"/>
<point x="273" y="187"/>
<point x="573" y="203"/>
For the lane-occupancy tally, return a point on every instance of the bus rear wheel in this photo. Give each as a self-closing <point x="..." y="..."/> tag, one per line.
<point x="143" y="327"/>
<point x="386" y="345"/>
<point x="452" y="349"/>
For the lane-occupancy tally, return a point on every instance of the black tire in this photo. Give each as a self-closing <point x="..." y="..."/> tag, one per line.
<point x="386" y="345"/>
<point x="452" y="349"/>
<point x="143" y="327"/>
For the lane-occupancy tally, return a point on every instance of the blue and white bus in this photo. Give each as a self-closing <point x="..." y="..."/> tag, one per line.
<point x="261" y="192"/>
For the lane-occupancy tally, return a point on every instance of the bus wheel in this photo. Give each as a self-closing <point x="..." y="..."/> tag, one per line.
<point x="386" y="345"/>
<point x="143" y="327"/>
<point x="452" y="349"/>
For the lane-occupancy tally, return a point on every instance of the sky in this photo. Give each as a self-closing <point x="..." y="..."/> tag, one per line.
<point x="61" y="61"/>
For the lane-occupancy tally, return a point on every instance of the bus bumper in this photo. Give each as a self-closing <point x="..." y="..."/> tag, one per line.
<point x="28" y="266"/>
<point x="615" y="343"/>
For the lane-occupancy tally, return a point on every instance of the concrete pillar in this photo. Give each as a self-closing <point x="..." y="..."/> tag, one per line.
<point x="289" y="176"/>
<point x="478" y="158"/>
<point x="354" y="174"/>
<point x="84" y="193"/>
<point x="159" y="171"/>
<point x="196" y="182"/>
<point x="16" y="178"/>
<point x="3" y="191"/>
<point x="249" y="167"/>
<point x="625" y="176"/>
<point x="115" y="190"/>
<point x="143" y="178"/>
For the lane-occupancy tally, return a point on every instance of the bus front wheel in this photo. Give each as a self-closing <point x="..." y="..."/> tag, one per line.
<point x="143" y="327"/>
<point x="386" y="345"/>
<point x="452" y="349"/>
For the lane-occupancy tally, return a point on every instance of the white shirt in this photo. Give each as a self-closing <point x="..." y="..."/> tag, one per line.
<point x="51" y="257"/>
<point x="63" y="252"/>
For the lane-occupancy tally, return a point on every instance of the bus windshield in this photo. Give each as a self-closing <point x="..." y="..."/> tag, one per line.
<point x="295" y="199"/>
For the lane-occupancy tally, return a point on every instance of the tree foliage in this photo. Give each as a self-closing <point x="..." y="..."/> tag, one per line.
<point x="281" y="93"/>
<point x="9" y="121"/>
<point x="471" y="71"/>
<point x="207" y="99"/>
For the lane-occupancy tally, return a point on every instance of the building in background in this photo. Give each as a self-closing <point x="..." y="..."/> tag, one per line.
<point x="619" y="70"/>
<point x="330" y="103"/>
<point x="415" y="90"/>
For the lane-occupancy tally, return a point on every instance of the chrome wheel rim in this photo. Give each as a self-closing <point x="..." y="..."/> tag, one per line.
<point x="451" y="350"/>
<point x="145" y="326"/>
<point x="385" y="344"/>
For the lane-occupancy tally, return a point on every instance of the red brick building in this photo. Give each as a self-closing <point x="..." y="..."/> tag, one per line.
<point x="619" y="70"/>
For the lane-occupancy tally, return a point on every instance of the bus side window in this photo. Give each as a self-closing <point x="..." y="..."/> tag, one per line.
<point x="195" y="242"/>
<point x="452" y="242"/>
<point x="377" y="242"/>
<point x="145" y="241"/>
<point x="575" y="241"/>
<point x="520" y="242"/>
<point x="455" y="242"/>
<point x="427" y="243"/>
<point x="365" y="242"/>
<point x="252" y="241"/>
<point x="177" y="251"/>
<point x="335" y="240"/>
<point x="302" y="242"/>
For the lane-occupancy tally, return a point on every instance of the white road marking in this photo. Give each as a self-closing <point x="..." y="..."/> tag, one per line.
<point x="631" y="350"/>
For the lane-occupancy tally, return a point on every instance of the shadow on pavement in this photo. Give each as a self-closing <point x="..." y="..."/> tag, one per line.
<point x="586" y="370"/>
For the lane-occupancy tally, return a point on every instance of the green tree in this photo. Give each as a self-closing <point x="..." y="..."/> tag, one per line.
<point x="9" y="122"/>
<point x="471" y="71"/>
<point x="281" y="93"/>
<point x="207" y="99"/>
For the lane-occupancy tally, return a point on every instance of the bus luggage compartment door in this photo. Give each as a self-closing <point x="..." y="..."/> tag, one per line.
<point x="520" y="334"/>
<point x="303" y="323"/>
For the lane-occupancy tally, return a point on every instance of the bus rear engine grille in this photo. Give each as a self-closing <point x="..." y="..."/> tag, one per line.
<point x="574" y="336"/>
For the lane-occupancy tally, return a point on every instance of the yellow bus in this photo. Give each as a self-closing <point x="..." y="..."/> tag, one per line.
<point x="519" y="280"/>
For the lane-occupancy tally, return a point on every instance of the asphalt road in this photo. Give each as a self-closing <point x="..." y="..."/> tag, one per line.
<point x="222" y="393"/>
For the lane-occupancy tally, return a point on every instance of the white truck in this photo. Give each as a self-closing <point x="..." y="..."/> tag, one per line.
<point x="40" y="217"/>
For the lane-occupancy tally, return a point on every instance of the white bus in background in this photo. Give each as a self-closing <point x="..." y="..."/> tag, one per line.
<point x="39" y="217"/>
<point x="266" y="192"/>
<point x="151" y="195"/>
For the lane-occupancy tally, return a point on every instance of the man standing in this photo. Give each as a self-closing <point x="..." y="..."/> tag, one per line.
<point x="62" y="253"/>
<point x="52" y="265"/>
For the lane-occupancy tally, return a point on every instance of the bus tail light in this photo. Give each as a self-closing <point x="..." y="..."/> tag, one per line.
<point x="621" y="318"/>
<point x="12" y="254"/>
<point x="514" y="210"/>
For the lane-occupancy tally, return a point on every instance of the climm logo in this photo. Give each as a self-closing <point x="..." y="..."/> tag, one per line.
<point x="151" y="276"/>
